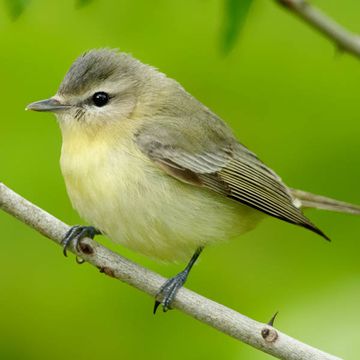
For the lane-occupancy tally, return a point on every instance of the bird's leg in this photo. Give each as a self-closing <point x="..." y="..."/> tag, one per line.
<point x="168" y="291"/>
<point x="75" y="234"/>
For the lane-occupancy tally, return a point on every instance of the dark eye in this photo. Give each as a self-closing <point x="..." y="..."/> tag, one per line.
<point x="100" y="98"/>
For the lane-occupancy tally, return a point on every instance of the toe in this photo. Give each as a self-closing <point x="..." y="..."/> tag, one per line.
<point x="75" y="234"/>
<point x="168" y="292"/>
<point x="72" y="235"/>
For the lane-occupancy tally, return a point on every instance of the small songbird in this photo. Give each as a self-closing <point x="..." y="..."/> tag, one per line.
<point x="151" y="167"/>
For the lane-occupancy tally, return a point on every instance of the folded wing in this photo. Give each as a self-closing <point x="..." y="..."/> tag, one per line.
<point x="210" y="156"/>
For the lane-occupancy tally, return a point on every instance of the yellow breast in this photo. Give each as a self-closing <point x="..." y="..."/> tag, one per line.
<point x="118" y="190"/>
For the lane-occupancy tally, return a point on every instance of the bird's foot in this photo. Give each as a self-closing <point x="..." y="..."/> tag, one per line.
<point x="75" y="234"/>
<point x="167" y="292"/>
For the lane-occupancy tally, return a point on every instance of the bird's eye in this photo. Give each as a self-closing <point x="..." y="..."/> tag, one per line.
<point x="100" y="98"/>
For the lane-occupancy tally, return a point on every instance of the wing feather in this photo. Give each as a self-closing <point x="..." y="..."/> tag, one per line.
<point x="225" y="166"/>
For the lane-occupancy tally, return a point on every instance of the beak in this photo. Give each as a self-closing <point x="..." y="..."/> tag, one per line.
<point x="51" y="105"/>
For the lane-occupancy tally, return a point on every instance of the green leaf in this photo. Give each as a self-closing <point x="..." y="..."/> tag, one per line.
<point x="81" y="3"/>
<point x="235" y="15"/>
<point x="16" y="7"/>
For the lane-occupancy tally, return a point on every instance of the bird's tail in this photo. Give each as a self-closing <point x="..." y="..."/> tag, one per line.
<point x="308" y="200"/>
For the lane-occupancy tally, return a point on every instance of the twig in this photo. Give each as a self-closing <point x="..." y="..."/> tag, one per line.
<point x="259" y="335"/>
<point x="343" y="39"/>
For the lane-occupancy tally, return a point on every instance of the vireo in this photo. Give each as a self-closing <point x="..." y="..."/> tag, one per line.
<point x="151" y="167"/>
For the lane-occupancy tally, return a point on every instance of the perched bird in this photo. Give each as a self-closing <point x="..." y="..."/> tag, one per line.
<point x="151" y="167"/>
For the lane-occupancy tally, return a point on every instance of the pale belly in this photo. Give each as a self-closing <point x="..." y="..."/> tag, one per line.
<point x="137" y="205"/>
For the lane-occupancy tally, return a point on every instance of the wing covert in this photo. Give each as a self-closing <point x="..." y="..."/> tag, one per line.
<point x="218" y="162"/>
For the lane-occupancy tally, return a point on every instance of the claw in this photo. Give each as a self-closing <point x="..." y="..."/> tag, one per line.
<point x="75" y="234"/>
<point x="168" y="291"/>
<point x="70" y="235"/>
<point x="79" y="260"/>
<point x="156" y="305"/>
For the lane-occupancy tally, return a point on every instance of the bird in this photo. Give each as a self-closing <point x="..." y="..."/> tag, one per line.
<point x="148" y="165"/>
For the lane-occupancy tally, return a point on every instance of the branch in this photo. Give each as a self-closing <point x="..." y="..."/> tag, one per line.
<point x="343" y="39"/>
<point x="261" y="336"/>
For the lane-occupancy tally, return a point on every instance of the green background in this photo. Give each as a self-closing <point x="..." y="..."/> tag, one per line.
<point x="288" y="95"/>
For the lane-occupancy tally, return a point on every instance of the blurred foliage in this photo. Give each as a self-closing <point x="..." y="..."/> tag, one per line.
<point x="16" y="7"/>
<point x="235" y="15"/>
<point x="286" y="96"/>
<point x="81" y="3"/>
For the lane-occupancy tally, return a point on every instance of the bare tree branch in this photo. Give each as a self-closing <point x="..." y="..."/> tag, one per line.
<point x="343" y="39"/>
<point x="261" y="336"/>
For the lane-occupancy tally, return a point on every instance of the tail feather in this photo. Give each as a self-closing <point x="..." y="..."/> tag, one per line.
<point x="308" y="200"/>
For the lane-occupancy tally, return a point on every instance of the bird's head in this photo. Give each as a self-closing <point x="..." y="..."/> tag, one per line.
<point x="101" y="87"/>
